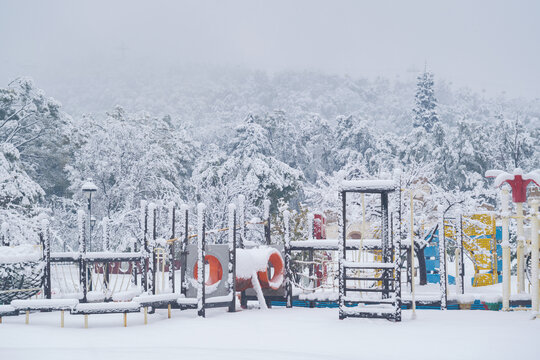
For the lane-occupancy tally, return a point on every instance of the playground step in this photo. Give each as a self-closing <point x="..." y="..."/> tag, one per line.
<point x="356" y="300"/>
<point x="368" y="278"/>
<point x="382" y="309"/>
<point x="363" y="290"/>
<point x="367" y="265"/>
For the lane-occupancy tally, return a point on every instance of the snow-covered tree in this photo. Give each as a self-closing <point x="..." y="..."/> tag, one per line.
<point x="19" y="200"/>
<point x="425" y="112"/>
<point x="248" y="168"/>
<point x="41" y="132"/>
<point x="131" y="157"/>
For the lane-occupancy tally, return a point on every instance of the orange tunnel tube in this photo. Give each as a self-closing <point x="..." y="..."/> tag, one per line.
<point x="270" y="278"/>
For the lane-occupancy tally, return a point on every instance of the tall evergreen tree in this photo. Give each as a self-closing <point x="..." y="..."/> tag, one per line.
<point x="425" y="113"/>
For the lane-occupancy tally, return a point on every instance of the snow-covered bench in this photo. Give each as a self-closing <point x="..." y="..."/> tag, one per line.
<point x="106" y="308"/>
<point x="45" y="304"/>
<point x="8" y="310"/>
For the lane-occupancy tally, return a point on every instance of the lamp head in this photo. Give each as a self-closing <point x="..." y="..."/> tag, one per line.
<point x="88" y="188"/>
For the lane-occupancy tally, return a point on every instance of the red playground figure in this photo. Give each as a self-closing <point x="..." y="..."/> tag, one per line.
<point x="319" y="226"/>
<point x="517" y="181"/>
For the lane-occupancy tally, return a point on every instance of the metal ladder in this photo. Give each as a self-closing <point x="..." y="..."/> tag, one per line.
<point x="388" y="306"/>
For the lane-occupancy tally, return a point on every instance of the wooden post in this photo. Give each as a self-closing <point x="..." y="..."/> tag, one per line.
<point x="462" y="256"/>
<point x="171" y="248"/>
<point x="62" y="318"/>
<point x="232" y="257"/>
<point x="46" y="241"/>
<point x="145" y="315"/>
<point x="169" y="311"/>
<point x="442" y="262"/>
<point x="106" y="247"/>
<point x="183" y="249"/>
<point x="242" y="220"/>
<point x="153" y="260"/>
<point x="287" y="246"/>
<point x="386" y="246"/>
<point x="520" y="251"/>
<point x="534" y="258"/>
<point x="0" y="319"/>
<point x="201" y="260"/>
<point x="27" y="320"/>
<point x="505" y="245"/>
<point x="125" y="319"/>
<point x="413" y="302"/>
<point x="86" y="321"/>
<point x="266" y="216"/>
<point x="342" y="254"/>
<point x="82" y="253"/>
<point x="145" y="250"/>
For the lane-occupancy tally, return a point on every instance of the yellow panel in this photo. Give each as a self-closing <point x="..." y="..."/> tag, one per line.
<point x="483" y="280"/>
<point x="483" y="250"/>
<point x="479" y="224"/>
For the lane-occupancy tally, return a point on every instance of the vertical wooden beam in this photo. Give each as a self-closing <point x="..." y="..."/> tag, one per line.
<point x="505" y="245"/>
<point x="183" y="249"/>
<point x="386" y="246"/>
<point x="242" y="220"/>
<point x="232" y="257"/>
<point x="172" y="248"/>
<point x="144" y="245"/>
<point x="27" y="319"/>
<point x="462" y="257"/>
<point x="266" y="216"/>
<point x="535" y="296"/>
<point x="201" y="229"/>
<point x="442" y="262"/>
<point x="46" y="241"/>
<point x="82" y="253"/>
<point x="62" y="318"/>
<point x="169" y="311"/>
<point x="85" y="321"/>
<point x="153" y="250"/>
<point x="145" y="315"/>
<point x="287" y="246"/>
<point x="342" y="256"/>
<point x="125" y="319"/>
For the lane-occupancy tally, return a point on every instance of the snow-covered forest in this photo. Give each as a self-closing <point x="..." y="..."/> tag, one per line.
<point x="221" y="132"/>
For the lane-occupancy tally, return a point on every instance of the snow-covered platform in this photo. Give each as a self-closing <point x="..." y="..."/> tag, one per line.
<point x="278" y="333"/>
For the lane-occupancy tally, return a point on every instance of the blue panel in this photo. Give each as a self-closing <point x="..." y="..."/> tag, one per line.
<point x="433" y="265"/>
<point x="499" y="265"/>
<point x="435" y="278"/>
<point x="431" y="251"/>
<point x="498" y="232"/>
<point x="499" y="251"/>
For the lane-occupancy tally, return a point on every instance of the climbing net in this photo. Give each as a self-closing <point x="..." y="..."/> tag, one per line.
<point x="20" y="280"/>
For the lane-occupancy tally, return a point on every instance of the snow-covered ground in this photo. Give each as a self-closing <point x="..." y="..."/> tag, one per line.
<point x="278" y="333"/>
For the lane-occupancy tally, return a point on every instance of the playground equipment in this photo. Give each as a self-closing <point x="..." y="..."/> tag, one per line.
<point x="472" y="235"/>
<point x="197" y="291"/>
<point x="389" y="304"/>
<point x="183" y="270"/>
<point x="518" y="182"/>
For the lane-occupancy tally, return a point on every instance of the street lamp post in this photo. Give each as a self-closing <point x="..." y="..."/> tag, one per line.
<point x="88" y="189"/>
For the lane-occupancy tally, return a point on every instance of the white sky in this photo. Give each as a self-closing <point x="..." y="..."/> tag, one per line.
<point x="485" y="45"/>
